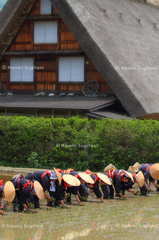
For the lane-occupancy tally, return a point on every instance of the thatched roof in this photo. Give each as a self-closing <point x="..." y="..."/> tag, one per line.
<point x="12" y="17"/>
<point x="119" y="36"/>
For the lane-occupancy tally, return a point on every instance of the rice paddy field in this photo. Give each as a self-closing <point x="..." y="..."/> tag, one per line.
<point x="135" y="218"/>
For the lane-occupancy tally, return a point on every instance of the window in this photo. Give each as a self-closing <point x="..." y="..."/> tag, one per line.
<point x="45" y="7"/>
<point x="45" y="32"/>
<point x="71" y="69"/>
<point x="21" y="70"/>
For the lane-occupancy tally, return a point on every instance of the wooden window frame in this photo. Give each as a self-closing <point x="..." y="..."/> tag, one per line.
<point x="45" y="44"/>
<point x="45" y="14"/>
<point x="72" y="83"/>
<point x="22" y="82"/>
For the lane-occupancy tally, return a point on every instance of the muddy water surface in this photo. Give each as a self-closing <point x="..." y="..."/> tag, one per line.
<point x="6" y="176"/>
<point x="134" y="218"/>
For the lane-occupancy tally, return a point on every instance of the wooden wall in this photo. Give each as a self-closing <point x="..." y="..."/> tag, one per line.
<point x="4" y="74"/>
<point x="47" y="77"/>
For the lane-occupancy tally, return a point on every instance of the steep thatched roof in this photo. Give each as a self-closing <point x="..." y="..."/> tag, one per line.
<point x="119" y="36"/>
<point x="12" y="17"/>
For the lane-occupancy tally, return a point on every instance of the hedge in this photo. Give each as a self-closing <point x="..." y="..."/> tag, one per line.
<point x="77" y="143"/>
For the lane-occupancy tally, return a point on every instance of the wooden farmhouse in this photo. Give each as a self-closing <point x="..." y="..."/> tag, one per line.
<point x="76" y="57"/>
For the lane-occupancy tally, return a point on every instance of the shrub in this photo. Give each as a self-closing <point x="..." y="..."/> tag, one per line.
<point x="77" y="143"/>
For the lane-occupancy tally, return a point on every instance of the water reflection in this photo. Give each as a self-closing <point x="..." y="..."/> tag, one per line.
<point x="72" y="235"/>
<point x="6" y="176"/>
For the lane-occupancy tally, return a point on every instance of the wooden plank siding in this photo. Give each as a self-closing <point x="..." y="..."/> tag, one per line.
<point x="46" y="78"/>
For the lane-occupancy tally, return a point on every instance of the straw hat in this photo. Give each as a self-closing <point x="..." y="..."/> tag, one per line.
<point x="129" y="175"/>
<point x="86" y="178"/>
<point x="137" y="165"/>
<point x="39" y="190"/>
<point x="104" y="178"/>
<point x="140" y="179"/>
<point x="154" y="171"/>
<point x="58" y="176"/>
<point x="71" y="180"/>
<point x="109" y="167"/>
<point x="133" y="169"/>
<point x="9" y="191"/>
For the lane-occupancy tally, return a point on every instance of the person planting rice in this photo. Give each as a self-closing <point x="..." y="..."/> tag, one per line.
<point x="75" y="190"/>
<point x="138" y="178"/>
<point x="67" y="181"/>
<point x="23" y="188"/>
<point x="118" y="176"/>
<point x="55" y="181"/>
<point x="43" y="177"/>
<point x="84" y="192"/>
<point x="99" y="179"/>
<point x="1" y="195"/>
<point x="85" y="181"/>
<point x="106" y="188"/>
<point x="145" y="169"/>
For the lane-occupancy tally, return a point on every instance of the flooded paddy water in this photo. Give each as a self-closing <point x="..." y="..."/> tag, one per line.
<point x="134" y="218"/>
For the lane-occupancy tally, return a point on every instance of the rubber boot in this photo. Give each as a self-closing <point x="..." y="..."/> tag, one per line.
<point x="49" y="203"/>
<point x="143" y="192"/>
<point x="21" y="208"/>
<point x="68" y="199"/>
<point x="36" y="204"/>
<point x="15" y="207"/>
<point x="56" y="203"/>
<point x="105" y="197"/>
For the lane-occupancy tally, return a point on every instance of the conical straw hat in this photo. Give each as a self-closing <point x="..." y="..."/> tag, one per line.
<point x="71" y="180"/>
<point x="140" y="179"/>
<point x="133" y="169"/>
<point x="154" y="171"/>
<point x="104" y="178"/>
<point x="39" y="190"/>
<point x="86" y="178"/>
<point x="129" y="175"/>
<point x="109" y="167"/>
<point x="137" y="165"/>
<point x="9" y="191"/>
<point x="58" y="176"/>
